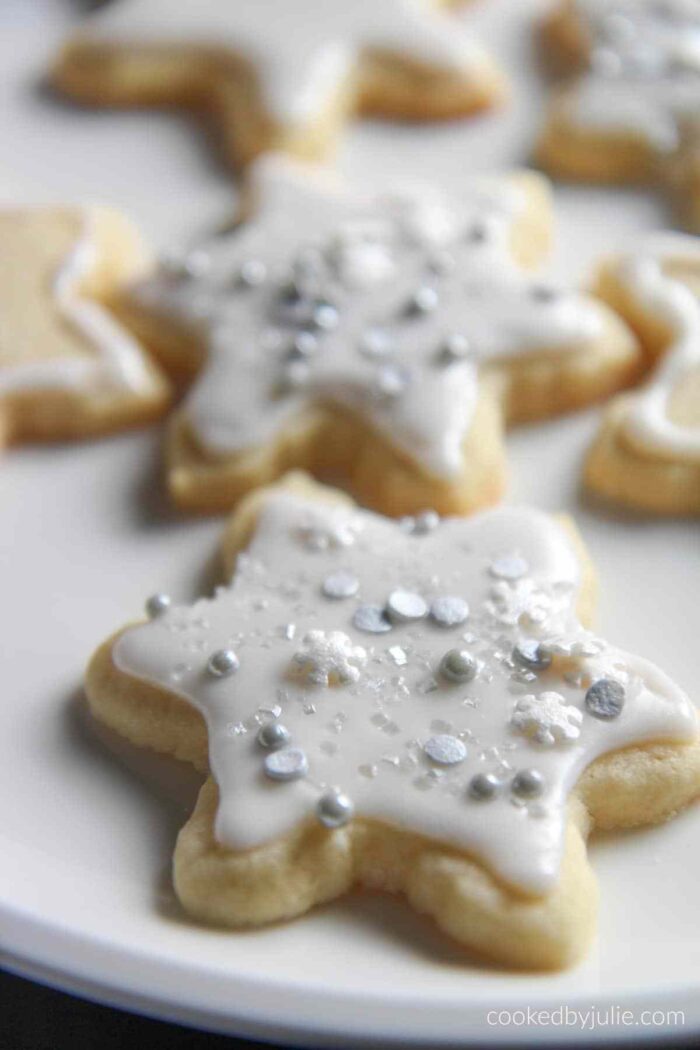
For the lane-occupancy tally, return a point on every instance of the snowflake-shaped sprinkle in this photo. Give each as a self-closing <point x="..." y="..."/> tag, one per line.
<point x="330" y="656"/>
<point x="547" y="718"/>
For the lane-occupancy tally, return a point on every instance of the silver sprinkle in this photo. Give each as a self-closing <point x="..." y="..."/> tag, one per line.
<point x="448" y="611"/>
<point x="441" y="263"/>
<point x="484" y="786"/>
<point x="455" y="348"/>
<point x="392" y="380"/>
<point x="508" y="567"/>
<point x="326" y="316"/>
<point x="156" y="605"/>
<point x="445" y="749"/>
<point x="425" y="522"/>
<point x="273" y="735"/>
<point x="305" y="344"/>
<point x="405" y="607"/>
<point x="334" y="809"/>
<point x="477" y="233"/>
<point x="375" y="342"/>
<point x="340" y="584"/>
<point x="222" y="663"/>
<point x="197" y="263"/>
<point x="424" y="300"/>
<point x="532" y="654"/>
<point x="458" y="665"/>
<point x="253" y="272"/>
<point x="371" y="618"/>
<point x="290" y="763"/>
<point x="605" y="699"/>
<point x="544" y="293"/>
<point x="527" y="783"/>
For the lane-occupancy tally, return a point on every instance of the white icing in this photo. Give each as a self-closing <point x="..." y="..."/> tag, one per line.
<point x="645" y="68"/>
<point x="304" y="52"/>
<point x="308" y="229"/>
<point x="116" y="361"/>
<point x="367" y="735"/>
<point x="647" y="422"/>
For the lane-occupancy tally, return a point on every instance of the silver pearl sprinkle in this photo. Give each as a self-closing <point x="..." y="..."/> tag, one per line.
<point x="405" y="607"/>
<point x="484" y="786"/>
<point x="273" y="735"/>
<point x="425" y="300"/>
<point x="326" y="316"/>
<point x="222" y="663"/>
<point x="605" y="699"/>
<point x="508" y="567"/>
<point x="425" y="522"/>
<point x="532" y="655"/>
<point x="477" y="233"/>
<point x="197" y="263"/>
<point x="448" y="611"/>
<point x="458" y="665"/>
<point x="527" y="783"/>
<point x="455" y="348"/>
<point x="305" y="344"/>
<point x="156" y="605"/>
<point x="372" y="619"/>
<point x="544" y="293"/>
<point x="252" y="273"/>
<point x="340" y="585"/>
<point x="375" y="342"/>
<point x="289" y="763"/>
<point x="334" y="809"/>
<point x="392" y="380"/>
<point x="445" y="750"/>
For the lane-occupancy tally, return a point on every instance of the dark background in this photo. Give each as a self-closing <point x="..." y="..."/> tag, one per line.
<point x="36" y="1018"/>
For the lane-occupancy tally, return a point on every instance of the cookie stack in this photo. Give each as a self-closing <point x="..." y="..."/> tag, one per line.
<point x="397" y="683"/>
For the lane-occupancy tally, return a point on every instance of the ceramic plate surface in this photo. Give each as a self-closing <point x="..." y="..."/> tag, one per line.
<point x="87" y="826"/>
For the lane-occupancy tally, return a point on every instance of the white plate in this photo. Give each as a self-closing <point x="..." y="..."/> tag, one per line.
<point x="86" y="840"/>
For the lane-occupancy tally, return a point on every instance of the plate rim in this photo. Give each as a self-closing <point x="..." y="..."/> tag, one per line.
<point x="93" y="968"/>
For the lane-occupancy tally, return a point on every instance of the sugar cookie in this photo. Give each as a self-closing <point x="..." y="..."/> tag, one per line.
<point x="67" y="368"/>
<point x="647" y="453"/>
<point x="441" y="725"/>
<point x="281" y="76"/>
<point x="378" y="339"/>
<point x="634" y="112"/>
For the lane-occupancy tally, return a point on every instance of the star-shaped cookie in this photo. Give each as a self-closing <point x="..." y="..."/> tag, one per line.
<point x="647" y="454"/>
<point x="281" y="76"/>
<point x="411" y="706"/>
<point x="633" y="113"/>
<point x="67" y="367"/>
<point x="381" y="339"/>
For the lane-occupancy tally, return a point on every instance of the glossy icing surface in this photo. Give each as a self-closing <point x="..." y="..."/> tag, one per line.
<point x="646" y="275"/>
<point x="303" y="51"/>
<point x="116" y="360"/>
<point x="644" y="74"/>
<point x="373" y="712"/>
<point x="386" y="305"/>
